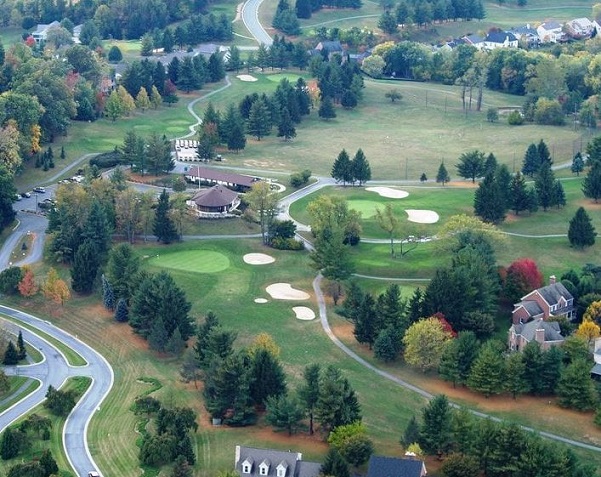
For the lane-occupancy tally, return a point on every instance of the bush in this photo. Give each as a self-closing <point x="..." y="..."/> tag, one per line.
<point x="299" y="179"/>
<point x="515" y="118"/>
<point x="10" y="279"/>
<point x="107" y="160"/>
<point x="115" y="55"/>
<point x="281" y="243"/>
<point x="492" y="115"/>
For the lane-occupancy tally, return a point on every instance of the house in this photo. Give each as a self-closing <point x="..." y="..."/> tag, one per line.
<point x="500" y="39"/>
<point x="552" y="300"/>
<point x="252" y="462"/>
<point x="547" y="333"/>
<point x="40" y="34"/>
<point x="550" y="32"/>
<point x="596" y="369"/>
<point x="380" y="466"/>
<point x="218" y="201"/>
<point x="474" y="40"/>
<point x="579" y="28"/>
<point x="527" y="35"/>
<point x="329" y="49"/>
<point x="213" y="176"/>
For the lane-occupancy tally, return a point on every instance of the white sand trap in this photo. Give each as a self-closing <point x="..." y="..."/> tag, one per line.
<point x="261" y="300"/>
<point x="388" y="192"/>
<point x="303" y="313"/>
<point x="258" y="258"/>
<point x="422" y="216"/>
<point x="246" y="78"/>
<point x="283" y="291"/>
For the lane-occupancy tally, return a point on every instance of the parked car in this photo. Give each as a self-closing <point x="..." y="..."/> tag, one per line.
<point x="93" y="473"/>
<point x="39" y="190"/>
<point x="26" y="195"/>
<point x="18" y="197"/>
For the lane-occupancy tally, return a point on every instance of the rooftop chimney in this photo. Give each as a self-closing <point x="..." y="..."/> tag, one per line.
<point x="539" y="333"/>
<point x="552" y="280"/>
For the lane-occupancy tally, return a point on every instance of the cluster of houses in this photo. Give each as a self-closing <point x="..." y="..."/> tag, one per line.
<point x="253" y="462"/>
<point x="530" y="36"/>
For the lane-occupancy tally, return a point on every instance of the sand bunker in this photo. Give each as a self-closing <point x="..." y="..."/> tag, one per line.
<point x="283" y="291"/>
<point x="261" y="300"/>
<point x="258" y="258"/>
<point x="246" y="78"/>
<point x="303" y="313"/>
<point x="388" y="192"/>
<point x="422" y="216"/>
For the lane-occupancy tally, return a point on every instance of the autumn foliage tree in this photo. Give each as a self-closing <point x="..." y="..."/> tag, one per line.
<point x="589" y="330"/>
<point x="424" y="343"/>
<point x="27" y="286"/>
<point x="523" y="276"/>
<point x="593" y="312"/>
<point x="55" y="288"/>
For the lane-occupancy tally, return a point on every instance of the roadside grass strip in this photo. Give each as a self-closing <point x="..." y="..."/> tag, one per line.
<point x="20" y="388"/>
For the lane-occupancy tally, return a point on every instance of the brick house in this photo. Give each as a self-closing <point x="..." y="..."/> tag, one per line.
<point x="546" y="333"/>
<point x="553" y="300"/>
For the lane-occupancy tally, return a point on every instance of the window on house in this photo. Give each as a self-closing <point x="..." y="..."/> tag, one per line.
<point x="281" y="472"/>
<point x="263" y="470"/>
<point x="246" y="469"/>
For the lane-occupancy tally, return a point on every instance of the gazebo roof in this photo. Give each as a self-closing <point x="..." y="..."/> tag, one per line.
<point x="216" y="196"/>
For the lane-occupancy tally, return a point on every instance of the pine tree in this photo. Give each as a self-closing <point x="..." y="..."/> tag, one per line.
<point x="411" y="434"/>
<point x="575" y="389"/>
<point x="309" y="391"/>
<point x="442" y="176"/>
<point x="286" y="127"/>
<point x="11" y="355"/>
<point x="365" y="321"/>
<point x="388" y="344"/>
<point x="163" y="228"/>
<point x="121" y="311"/>
<point x="519" y="197"/>
<point x="577" y="164"/>
<point x="448" y="369"/>
<point x="85" y="267"/>
<point x="581" y="232"/>
<point x="142" y="99"/>
<point x="341" y="170"/>
<point x="259" y="119"/>
<point x="267" y="375"/>
<point x="233" y="125"/>
<point x="21" y="346"/>
<point x="489" y="203"/>
<point x="543" y="153"/>
<point x="559" y="195"/>
<point x="543" y="184"/>
<point x="48" y="463"/>
<point x="175" y="344"/>
<point x="435" y="431"/>
<point x="326" y="109"/>
<point x="591" y="185"/>
<point x="158" y="337"/>
<point x="531" y="161"/>
<point x="488" y="371"/>
<point x="361" y="171"/>
<point x="334" y="465"/>
<point x="108" y="296"/>
<point x="515" y="380"/>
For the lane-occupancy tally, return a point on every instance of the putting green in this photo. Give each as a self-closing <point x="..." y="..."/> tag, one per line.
<point x="280" y="76"/>
<point x="199" y="261"/>
<point x="366" y="207"/>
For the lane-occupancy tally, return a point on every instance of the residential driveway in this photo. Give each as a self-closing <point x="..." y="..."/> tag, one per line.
<point x="54" y="370"/>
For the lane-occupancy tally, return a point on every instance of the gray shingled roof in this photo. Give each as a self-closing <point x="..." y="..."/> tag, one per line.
<point x="221" y="176"/>
<point x="293" y="460"/>
<point x="308" y="469"/>
<point x="552" y="293"/>
<point x="500" y="36"/>
<point x="216" y="196"/>
<point x="380" y="466"/>
<point x="551" y="25"/>
<point x="532" y="307"/>
<point x="528" y="330"/>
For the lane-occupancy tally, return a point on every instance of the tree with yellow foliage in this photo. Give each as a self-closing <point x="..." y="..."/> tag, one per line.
<point x="424" y="343"/>
<point x="589" y="330"/>
<point x="264" y="341"/>
<point x="593" y="312"/>
<point x="55" y="288"/>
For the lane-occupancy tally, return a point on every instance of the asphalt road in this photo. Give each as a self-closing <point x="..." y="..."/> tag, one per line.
<point x="250" y="17"/>
<point x="54" y="370"/>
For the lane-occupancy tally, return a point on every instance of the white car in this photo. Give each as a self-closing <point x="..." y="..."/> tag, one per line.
<point x="93" y="473"/>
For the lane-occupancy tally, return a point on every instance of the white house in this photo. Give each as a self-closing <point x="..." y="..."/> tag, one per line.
<point x="550" y="32"/>
<point x="500" y="39"/>
<point x="40" y="34"/>
<point x="474" y="40"/>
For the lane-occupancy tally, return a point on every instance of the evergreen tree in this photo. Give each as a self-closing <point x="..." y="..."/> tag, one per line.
<point x="366" y="327"/>
<point x="575" y="389"/>
<point x="348" y="100"/>
<point x="519" y="197"/>
<point x="22" y="351"/>
<point x="531" y="161"/>
<point x="559" y="195"/>
<point x="543" y="153"/>
<point x="85" y="267"/>
<point x="309" y="391"/>
<point x="515" y="380"/>
<point x="442" y="176"/>
<point x="121" y="311"/>
<point x="552" y="364"/>
<point x="490" y="164"/>
<point x="286" y="127"/>
<point x="388" y="23"/>
<point x="488" y="371"/>
<point x="158" y="336"/>
<point x="471" y="165"/>
<point x="108" y="296"/>
<point x="10" y="444"/>
<point x="388" y="344"/>
<point x="489" y="203"/>
<point x="435" y="431"/>
<point x="577" y="164"/>
<point x="267" y="377"/>
<point x="97" y="229"/>
<point x="334" y="465"/>
<point x="285" y="412"/>
<point x="48" y="464"/>
<point x="543" y="184"/>
<point x="175" y="344"/>
<point x="122" y="268"/>
<point x="11" y="355"/>
<point x="164" y="229"/>
<point x="361" y="171"/>
<point x="341" y="170"/>
<point x="303" y="9"/>
<point x="411" y="434"/>
<point x="581" y="232"/>
<point x="181" y="467"/>
<point x="533" y="361"/>
<point x="326" y="109"/>
<point x="259" y="120"/>
<point x="233" y="125"/>
<point x="337" y="402"/>
<point x="215" y="67"/>
<point x="448" y="369"/>
<point x="591" y="185"/>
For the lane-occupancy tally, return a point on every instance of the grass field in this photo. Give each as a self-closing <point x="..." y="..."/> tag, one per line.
<point x="12" y="396"/>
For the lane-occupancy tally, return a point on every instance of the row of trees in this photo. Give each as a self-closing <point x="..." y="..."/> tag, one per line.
<point x="347" y="170"/>
<point x="471" y="445"/>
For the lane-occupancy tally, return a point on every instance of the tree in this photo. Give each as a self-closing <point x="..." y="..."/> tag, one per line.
<point x="581" y="232"/>
<point x="267" y="376"/>
<point x="341" y="170"/>
<point x="10" y="279"/>
<point x="411" y="433"/>
<point x="259" y="119"/>
<point x="522" y="277"/>
<point x="387" y="23"/>
<point x="515" y="380"/>
<point x="366" y="326"/>
<point x="285" y="412"/>
<point x="442" y="176"/>
<point x="424" y="343"/>
<point x="352" y="442"/>
<point x="27" y="286"/>
<point x="123" y="265"/>
<point x="158" y="154"/>
<point x="543" y="184"/>
<point x="263" y="201"/>
<point x="164" y="229"/>
<point x="488" y="371"/>
<point x="360" y="169"/>
<point x="286" y="127"/>
<point x="48" y="464"/>
<point x="577" y="164"/>
<point x="85" y="267"/>
<point x="492" y="115"/>
<point x="575" y="388"/>
<point x="589" y="330"/>
<point x="11" y="355"/>
<point x="113" y="107"/>
<point x="393" y="95"/>
<point x="60" y="403"/>
<point x="519" y="196"/>
<point x="181" y="467"/>
<point x="435" y="432"/>
<point x="147" y="45"/>
<point x="142" y="99"/>
<point x="114" y="54"/>
<point x="7" y="196"/>
<point x="121" y="311"/>
<point x="309" y="391"/>
<point x="337" y="402"/>
<point x="326" y="109"/>
<point x="532" y="161"/>
<point x="460" y="465"/>
<point x="489" y="200"/>
<point x="591" y="185"/>
<point x="10" y="445"/>
<point x="334" y="465"/>
<point x="471" y="165"/>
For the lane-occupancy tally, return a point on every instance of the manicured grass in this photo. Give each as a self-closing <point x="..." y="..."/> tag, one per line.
<point x="236" y="226"/>
<point x="195" y="261"/>
<point x="15" y="384"/>
<point x="10" y="35"/>
<point x="73" y="358"/>
<point x="276" y="78"/>
<point x="78" y="384"/>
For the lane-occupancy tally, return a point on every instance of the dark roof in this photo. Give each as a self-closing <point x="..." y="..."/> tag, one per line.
<point x="380" y="466"/>
<point x="216" y="196"/>
<point x="552" y="293"/>
<point x="295" y="467"/>
<point x="221" y="176"/>
<point x="473" y="39"/>
<point x="525" y="30"/>
<point x="330" y="46"/>
<point x="551" y="25"/>
<point x="532" y="307"/>
<point x="528" y="330"/>
<point x="596" y="370"/>
<point x="500" y="37"/>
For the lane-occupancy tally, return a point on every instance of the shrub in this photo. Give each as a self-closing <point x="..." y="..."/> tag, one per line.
<point x="281" y="243"/>
<point x="492" y="115"/>
<point x="107" y="160"/>
<point x="515" y="118"/>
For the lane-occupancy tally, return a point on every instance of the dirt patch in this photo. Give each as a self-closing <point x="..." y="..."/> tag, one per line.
<point x="388" y="192"/>
<point x="303" y="313"/>
<point x="258" y="259"/>
<point x="284" y="291"/>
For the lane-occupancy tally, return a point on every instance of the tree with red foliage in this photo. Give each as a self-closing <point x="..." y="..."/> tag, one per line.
<point x="446" y="326"/>
<point x="523" y="276"/>
<point x="30" y="41"/>
<point x="27" y="286"/>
